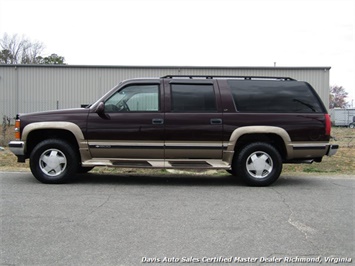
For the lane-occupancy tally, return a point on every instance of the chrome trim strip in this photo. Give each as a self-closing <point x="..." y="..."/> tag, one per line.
<point x="194" y="143"/>
<point x="309" y="147"/>
<point x="157" y="145"/>
<point x="195" y="147"/>
<point x="107" y="146"/>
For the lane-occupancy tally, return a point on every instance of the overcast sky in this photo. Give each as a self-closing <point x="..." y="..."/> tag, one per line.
<point x="192" y="32"/>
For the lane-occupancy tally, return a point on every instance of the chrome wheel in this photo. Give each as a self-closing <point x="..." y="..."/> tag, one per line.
<point x="52" y="162"/>
<point x="259" y="164"/>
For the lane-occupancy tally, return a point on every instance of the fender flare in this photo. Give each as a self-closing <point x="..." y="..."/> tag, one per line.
<point x="60" y="125"/>
<point x="241" y="131"/>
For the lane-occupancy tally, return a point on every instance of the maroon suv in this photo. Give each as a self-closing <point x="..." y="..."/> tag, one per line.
<point x="249" y="126"/>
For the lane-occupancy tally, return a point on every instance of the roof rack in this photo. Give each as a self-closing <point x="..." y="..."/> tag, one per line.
<point x="234" y="77"/>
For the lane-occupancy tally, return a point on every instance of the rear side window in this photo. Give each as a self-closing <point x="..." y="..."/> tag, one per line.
<point x="274" y="96"/>
<point x="193" y="98"/>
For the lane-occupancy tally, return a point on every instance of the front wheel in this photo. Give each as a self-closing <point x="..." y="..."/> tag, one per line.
<point x="258" y="164"/>
<point x="53" y="161"/>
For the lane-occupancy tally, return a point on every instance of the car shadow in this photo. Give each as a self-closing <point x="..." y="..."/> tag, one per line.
<point x="158" y="179"/>
<point x="180" y="180"/>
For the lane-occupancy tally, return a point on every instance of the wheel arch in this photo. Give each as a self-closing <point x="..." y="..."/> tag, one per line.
<point x="36" y="132"/>
<point x="269" y="134"/>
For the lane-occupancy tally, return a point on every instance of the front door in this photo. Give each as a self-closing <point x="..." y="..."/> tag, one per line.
<point x="132" y="125"/>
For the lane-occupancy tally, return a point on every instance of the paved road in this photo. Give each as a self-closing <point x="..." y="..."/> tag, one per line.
<point x="120" y="220"/>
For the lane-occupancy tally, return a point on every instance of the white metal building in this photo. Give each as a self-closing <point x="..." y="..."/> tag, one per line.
<point x="30" y="88"/>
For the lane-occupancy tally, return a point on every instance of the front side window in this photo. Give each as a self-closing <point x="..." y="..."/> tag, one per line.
<point x="193" y="98"/>
<point x="134" y="98"/>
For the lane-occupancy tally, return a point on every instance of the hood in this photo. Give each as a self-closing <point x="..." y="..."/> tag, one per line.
<point x="68" y="115"/>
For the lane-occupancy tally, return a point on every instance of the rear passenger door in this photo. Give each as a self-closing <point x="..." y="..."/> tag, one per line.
<point x="193" y="119"/>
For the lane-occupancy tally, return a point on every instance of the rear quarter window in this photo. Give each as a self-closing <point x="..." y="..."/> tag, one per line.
<point x="274" y="96"/>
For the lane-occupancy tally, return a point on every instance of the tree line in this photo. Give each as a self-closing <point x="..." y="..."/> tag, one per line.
<point x="21" y="50"/>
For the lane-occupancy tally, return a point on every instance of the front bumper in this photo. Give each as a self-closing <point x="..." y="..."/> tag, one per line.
<point x="18" y="148"/>
<point x="332" y="150"/>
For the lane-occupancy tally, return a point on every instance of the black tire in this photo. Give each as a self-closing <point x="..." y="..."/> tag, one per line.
<point x="258" y="164"/>
<point x="53" y="161"/>
<point x="84" y="170"/>
<point x="230" y="172"/>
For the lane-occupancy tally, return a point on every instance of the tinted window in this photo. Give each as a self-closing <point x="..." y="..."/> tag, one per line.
<point x="193" y="98"/>
<point x="135" y="98"/>
<point x="274" y="96"/>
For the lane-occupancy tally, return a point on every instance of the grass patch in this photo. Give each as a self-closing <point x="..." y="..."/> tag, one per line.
<point x="343" y="162"/>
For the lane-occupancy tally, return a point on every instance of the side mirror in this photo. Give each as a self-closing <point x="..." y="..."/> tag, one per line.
<point x="100" y="109"/>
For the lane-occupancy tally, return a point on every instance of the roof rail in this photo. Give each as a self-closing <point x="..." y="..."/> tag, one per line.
<point x="234" y="77"/>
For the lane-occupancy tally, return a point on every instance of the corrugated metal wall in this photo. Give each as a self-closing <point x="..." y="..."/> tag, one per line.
<point x="25" y="88"/>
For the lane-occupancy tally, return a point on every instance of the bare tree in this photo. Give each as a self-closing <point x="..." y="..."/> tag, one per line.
<point x="20" y="50"/>
<point x="337" y="97"/>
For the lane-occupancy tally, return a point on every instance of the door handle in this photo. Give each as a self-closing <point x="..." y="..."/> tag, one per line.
<point x="215" y="121"/>
<point x="157" y="121"/>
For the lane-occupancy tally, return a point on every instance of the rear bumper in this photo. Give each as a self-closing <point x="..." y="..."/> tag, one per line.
<point x="332" y="150"/>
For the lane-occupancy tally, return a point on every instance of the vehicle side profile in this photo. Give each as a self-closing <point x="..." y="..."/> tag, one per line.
<point x="249" y="126"/>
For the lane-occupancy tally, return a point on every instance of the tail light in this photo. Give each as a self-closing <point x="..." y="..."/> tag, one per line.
<point x="328" y="125"/>
<point x="17" y="129"/>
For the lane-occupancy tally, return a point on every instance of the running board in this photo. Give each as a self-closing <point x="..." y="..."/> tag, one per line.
<point x="197" y="164"/>
<point x="169" y="164"/>
<point x="310" y="161"/>
<point x="188" y="164"/>
<point x="130" y="164"/>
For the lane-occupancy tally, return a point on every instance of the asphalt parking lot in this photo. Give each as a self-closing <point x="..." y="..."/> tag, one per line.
<point x="163" y="220"/>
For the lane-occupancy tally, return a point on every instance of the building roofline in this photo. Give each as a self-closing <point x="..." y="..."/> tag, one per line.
<point x="169" y="67"/>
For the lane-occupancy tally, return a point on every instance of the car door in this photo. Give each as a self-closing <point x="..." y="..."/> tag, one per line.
<point x="131" y="124"/>
<point x="193" y="119"/>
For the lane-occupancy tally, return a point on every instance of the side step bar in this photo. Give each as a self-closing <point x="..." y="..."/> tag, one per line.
<point x="170" y="164"/>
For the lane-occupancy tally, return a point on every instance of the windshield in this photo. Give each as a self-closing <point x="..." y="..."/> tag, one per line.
<point x="104" y="96"/>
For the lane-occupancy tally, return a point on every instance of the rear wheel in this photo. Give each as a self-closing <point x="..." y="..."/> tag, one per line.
<point x="53" y="161"/>
<point x="258" y="164"/>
